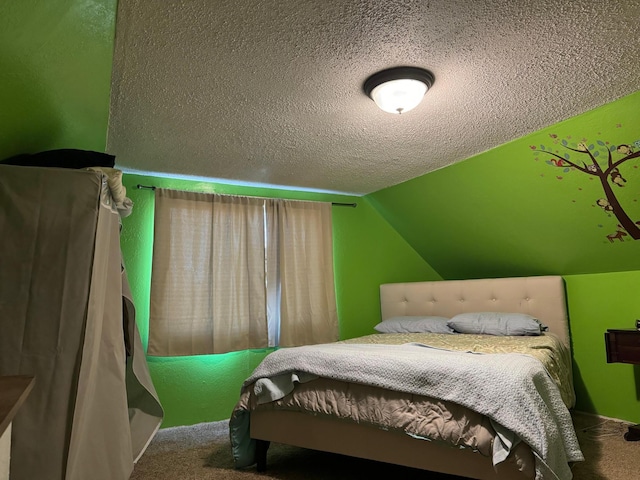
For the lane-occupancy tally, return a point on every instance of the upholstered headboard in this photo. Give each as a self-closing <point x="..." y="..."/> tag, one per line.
<point x="542" y="297"/>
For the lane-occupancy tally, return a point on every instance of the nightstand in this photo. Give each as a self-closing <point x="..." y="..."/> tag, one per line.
<point x="623" y="346"/>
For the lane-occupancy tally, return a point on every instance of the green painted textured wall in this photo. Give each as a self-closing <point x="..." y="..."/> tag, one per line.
<point x="55" y="78"/>
<point x="367" y="252"/>
<point x="511" y="211"/>
<point x="598" y="302"/>
<point x="505" y="212"/>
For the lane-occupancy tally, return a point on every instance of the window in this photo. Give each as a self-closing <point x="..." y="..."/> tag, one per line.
<point x="232" y="273"/>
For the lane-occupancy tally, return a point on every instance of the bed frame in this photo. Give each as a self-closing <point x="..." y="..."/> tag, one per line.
<point x="542" y="297"/>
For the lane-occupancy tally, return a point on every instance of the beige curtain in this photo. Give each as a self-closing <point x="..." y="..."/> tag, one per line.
<point x="305" y="254"/>
<point x="233" y="273"/>
<point x="208" y="291"/>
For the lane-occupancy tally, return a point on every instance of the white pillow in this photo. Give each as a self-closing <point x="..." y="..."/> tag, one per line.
<point x="417" y="324"/>
<point x="497" y="323"/>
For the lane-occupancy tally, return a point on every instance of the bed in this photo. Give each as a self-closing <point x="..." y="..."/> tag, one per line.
<point x="477" y="406"/>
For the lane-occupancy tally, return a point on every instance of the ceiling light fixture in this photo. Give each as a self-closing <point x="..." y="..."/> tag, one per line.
<point x="398" y="90"/>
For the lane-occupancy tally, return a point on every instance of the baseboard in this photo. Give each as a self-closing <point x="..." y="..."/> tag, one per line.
<point x="603" y="418"/>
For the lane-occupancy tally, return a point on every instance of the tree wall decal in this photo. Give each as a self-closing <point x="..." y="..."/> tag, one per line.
<point x="597" y="160"/>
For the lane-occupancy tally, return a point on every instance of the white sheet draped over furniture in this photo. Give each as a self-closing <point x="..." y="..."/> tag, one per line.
<point x="67" y="318"/>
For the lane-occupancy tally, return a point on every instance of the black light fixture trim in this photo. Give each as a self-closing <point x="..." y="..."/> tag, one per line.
<point x="398" y="73"/>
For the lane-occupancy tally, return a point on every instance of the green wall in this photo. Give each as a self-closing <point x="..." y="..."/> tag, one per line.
<point x="506" y="213"/>
<point x="367" y="252"/>
<point x="597" y="302"/>
<point x="55" y="78"/>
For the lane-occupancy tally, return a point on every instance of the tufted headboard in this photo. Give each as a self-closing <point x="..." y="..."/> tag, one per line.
<point x="542" y="297"/>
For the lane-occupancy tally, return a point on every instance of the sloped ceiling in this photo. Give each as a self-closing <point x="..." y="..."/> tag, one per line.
<point x="270" y="92"/>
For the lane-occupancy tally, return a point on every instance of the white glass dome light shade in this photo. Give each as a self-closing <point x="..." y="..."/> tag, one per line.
<point x="399" y="96"/>
<point x="399" y="89"/>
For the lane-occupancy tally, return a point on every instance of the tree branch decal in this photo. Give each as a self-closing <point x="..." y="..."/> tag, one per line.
<point x="608" y="174"/>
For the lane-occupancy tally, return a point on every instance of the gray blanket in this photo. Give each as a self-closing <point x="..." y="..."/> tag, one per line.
<point x="513" y="390"/>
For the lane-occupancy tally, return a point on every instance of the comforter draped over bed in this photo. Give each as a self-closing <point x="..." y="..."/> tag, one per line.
<point x="548" y="348"/>
<point x="514" y="391"/>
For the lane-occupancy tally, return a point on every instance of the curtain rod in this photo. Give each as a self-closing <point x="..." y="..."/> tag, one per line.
<point x="338" y="204"/>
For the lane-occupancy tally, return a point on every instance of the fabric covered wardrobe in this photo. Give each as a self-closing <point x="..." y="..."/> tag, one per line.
<point x="67" y="318"/>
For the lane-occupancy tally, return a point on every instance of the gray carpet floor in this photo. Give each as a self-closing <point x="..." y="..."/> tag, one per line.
<point x="203" y="452"/>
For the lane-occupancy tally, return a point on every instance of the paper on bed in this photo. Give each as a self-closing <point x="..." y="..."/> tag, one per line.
<point x="513" y="390"/>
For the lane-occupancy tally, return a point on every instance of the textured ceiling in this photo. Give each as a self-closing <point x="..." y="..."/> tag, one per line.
<point x="270" y="92"/>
